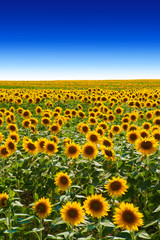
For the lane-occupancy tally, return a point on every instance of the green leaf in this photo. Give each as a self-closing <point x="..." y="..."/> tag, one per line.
<point x="86" y="238"/>
<point x="107" y="223"/>
<point x="150" y="224"/>
<point x="143" y="234"/>
<point x="116" y="238"/>
<point x="157" y="209"/>
<point x="80" y="196"/>
<point x="2" y="219"/>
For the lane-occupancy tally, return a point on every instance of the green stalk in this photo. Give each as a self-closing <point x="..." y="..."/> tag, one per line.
<point x="133" y="237"/>
<point x="9" y="223"/>
<point x="100" y="229"/>
<point x="41" y="226"/>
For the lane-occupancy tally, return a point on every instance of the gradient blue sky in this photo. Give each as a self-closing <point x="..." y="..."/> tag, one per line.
<point x="80" y="39"/>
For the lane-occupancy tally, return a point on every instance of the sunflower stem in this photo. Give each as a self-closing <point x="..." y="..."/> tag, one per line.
<point x="132" y="235"/>
<point x="100" y="229"/>
<point x="9" y="223"/>
<point x="41" y="226"/>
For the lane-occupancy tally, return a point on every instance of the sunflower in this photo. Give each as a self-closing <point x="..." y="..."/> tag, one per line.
<point x="72" y="150"/>
<point x="106" y="142"/>
<point x="96" y="206"/>
<point x="46" y="121"/>
<point x="1" y="137"/>
<point x="63" y="181"/>
<point x="40" y="144"/>
<point x="3" y="199"/>
<point x="103" y="125"/>
<point x="119" y="111"/>
<point x="14" y="136"/>
<point x="38" y="110"/>
<point x="111" y="118"/>
<point x="73" y="113"/>
<point x="85" y="128"/>
<point x="116" y="129"/>
<point x="149" y="115"/>
<point x="43" y="207"/>
<point x="156" y="135"/>
<point x="110" y="134"/>
<point x="128" y="217"/>
<point x="116" y="186"/>
<point x="55" y="139"/>
<point x="146" y="146"/>
<point x="72" y="213"/>
<point x="133" y="117"/>
<point x="55" y="128"/>
<point x="12" y="128"/>
<point x="50" y="147"/>
<point x="26" y="123"/>
<point x="132" y="136"/>
<point x="10" y="145"/>
<point x="26" y="114"/>
<point x="1" y="122"/>
<point x="108" y="153"/>
<point x="30" y="146"/>
<point x="34" y="121"/>
<point x="125" y="126"/>
<point x="146" y="126"/>
<point x="20" y="111"/>
<point x="93" y="137"/>
<point x="92" y="121"/>
<point x="100" y="131"/>
<point x="66" y="141"/>
<point x="89" y="150"/>
<point x="144" y="134"/>
<point x="4" y="151"/>
<point x="133" y="128"/>
<point x="156" y="121"/>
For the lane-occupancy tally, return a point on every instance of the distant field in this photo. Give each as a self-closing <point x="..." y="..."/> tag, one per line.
<point x="80" y="159"/>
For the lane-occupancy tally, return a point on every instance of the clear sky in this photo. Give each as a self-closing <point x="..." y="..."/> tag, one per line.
<point x="79" y="39"/>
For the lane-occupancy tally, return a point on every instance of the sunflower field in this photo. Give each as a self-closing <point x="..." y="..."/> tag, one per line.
<point x="80" y="160"/>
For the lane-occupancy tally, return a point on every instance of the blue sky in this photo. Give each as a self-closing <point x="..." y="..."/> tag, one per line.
<point x="96" y="39"/>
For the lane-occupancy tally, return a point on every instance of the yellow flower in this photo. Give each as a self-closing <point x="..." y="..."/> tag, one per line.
<point x="63" y="181"/>
<point x="30" y="146"/>
<point x="93" y="137"/>
<point x="96" y="206"/>
<point x="10" y="145"/>
<point x="3" y="199"/>
<point x="4" y="151"/>
<point x="108" y="153"/>
<point x="128" y="217"/>
<point x="89" y="150"/>
<point x="50" y="147"/>
<point x="116" y="186"/>
<point x="72" y="150"/>
<point x="146" y="146"/>
<point x="43" y="207"/>
<point x="72" y="213"/>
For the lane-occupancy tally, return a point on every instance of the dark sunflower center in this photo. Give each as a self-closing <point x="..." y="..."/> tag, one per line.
<point x="128" y="216"/>
<point x="26" y="114"/>
<point x="115" y="186"/>
<point x="146" y="126"/>
<point x="85" y="129"/>
<point x="106" y="143"/>
<point x="116" y="129"/>
<point x="110" y="118"/>
<point x="157" y="136"/>
<point x="158" y="121"/>
<point x="45" y="121"/>
<point x="108" y="153"/>
<point x="144" y="134"/>
<point x="42" y="144"/>
<point x="13" y="137"/>
<point x="118" y="110"/>
<point x="64" y="180"/>
<point x="103" y="126"/>
<point x="12" y="128"/>
<point x="133" y="128"/>
<point x="11" y="145"/>
<point x="89" y="150"/>
<point x="149" y="115"/>
<point x="72" y="149"/>
<point x="50" y="147"/>
<point x="4" y="151"/>
<point x="3" y="202"/>
<point x="41" y="208"/>
<point x="26" y="124"/>
<point x="54" y="128"/>
<point x="96" y="205"/>
<point x="31" y="146"/>
<point x="146" y="145"/>
<point x="93" y="120"/>
<point x="133" y="136"/>
<point x="72" y="213"/>
<point x="93" y="138"/>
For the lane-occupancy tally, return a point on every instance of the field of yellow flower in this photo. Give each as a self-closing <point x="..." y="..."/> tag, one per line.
<point x="80" y="160"/>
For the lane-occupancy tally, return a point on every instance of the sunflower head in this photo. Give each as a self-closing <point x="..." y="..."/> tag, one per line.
<point x="116" y="186"/>
<point x="93" y="137"/>
<point x="50" y="147"/>
<point x="72" y="150"/>
<point x="108" y="153"/>
<point x="128" y="217"/>
<point x="63" y="181"/>
<point x="3" y="199"/>
<point x="43" y="207"/>
<point x="146" y="146"/>
<point x="72" y="213"/>
<point x="89" y="150"/>
<point x="96" y="206"/>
